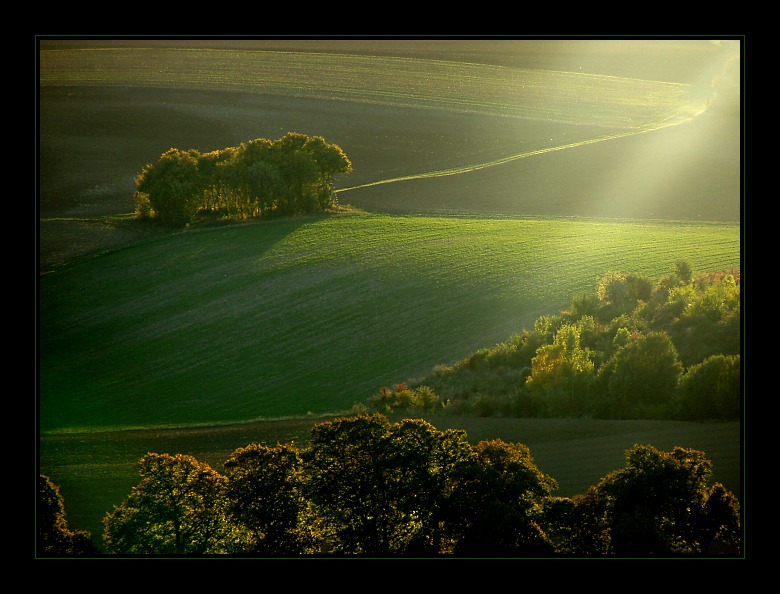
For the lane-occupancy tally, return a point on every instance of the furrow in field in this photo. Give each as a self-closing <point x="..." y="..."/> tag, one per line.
<point x="669" y="121"/>
<point x="281" y="319"/>
<point x="550" y="95"/>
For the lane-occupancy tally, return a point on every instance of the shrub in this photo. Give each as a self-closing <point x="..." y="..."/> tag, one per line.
<point x="710" y="390"/>
<point x="641" y="377"/>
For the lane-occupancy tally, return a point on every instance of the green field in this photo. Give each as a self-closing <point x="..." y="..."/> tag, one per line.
<point x="311" y="315"/>
<point x="493" y="181"/>
<point x="597" y="116"/>
<point x="547" y="95"/>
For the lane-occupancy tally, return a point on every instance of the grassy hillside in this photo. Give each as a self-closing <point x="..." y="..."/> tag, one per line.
<point x="173" y="337"/>
<point x="402" y="80"/>
<point x="312" y="315"/>
<point x="400" y="108"/>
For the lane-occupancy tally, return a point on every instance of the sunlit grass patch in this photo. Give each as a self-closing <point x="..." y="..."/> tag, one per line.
<point x="315" y="314"/>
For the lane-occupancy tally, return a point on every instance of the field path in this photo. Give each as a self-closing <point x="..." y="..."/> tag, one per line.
<point x="678" y="118"/>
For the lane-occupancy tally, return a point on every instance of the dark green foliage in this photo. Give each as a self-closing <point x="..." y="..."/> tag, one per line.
<point x="350" y="483"/>
<point x="710" y="390"/>
<point x="578" y="525"/>
<point x="684" y="271"/>
<point x="169" y="190"/>
<point x="378" y="487"/>
<point x="255" y="179"/>
<point x="493" y="506"/>
<point x="366" y="486"/>
<point x="178" y="508"/>
<point x="54" y="537"/>
<point x="655" y="506"/>
<point x="661" y="504"/>
<point x="562" y="373"/>
<point x="639" y="380"/>
<point x="618" y="354"/>
<point x="584" y="304"/>
<point x="264" y="493"/>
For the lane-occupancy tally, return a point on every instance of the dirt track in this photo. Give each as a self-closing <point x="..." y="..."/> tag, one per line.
<point x="93" y="141"/>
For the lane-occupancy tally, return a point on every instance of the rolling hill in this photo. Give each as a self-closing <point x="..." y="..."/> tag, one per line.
<point x="312" y="315"/>
<point x="199" y="341"/>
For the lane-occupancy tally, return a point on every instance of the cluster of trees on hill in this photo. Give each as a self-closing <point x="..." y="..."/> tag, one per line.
<point x="636" y="349"/>
<point x="366" y="486"/>
<point x="256" y="179"/>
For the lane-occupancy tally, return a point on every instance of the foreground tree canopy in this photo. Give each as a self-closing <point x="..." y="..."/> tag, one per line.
<point x="54" y="537"/>
<point x="256" y="179"/>
<point x="636" y="349"/>
<point x="366" y="486"/>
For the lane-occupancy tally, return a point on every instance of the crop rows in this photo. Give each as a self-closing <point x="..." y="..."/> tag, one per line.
<point x="549" y="95"/>
<point x="286" y="318"/>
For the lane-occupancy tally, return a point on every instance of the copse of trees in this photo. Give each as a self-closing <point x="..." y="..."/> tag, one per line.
<point x="257" y="179"/>
<point x="635" y="349"/>
<point x="366" y="486"/>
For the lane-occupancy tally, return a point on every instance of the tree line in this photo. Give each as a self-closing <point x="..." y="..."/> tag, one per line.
<point x="366" y="486"/>
<point x="257" y="179"/>
<point x="636" y="348"/>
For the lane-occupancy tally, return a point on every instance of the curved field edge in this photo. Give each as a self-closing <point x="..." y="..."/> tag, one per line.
<point x="308" y="316"/>
<point x="549" y="95"/>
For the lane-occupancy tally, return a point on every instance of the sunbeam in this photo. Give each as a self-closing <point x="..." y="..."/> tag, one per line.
<point x="688" y="91"/>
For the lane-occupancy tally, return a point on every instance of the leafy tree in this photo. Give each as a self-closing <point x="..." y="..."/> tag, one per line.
<point x="426" y="460"/>
<point x="215" y="179"/>
<point x="613" y="289"/>
<point x="719" y="527"/>
<point x="639" y="380"/>
<point x="330" y="161"/>
<point x="171" y="187"/>
<point x="379" y="487"/>
<point x="715" y="300"/>
<point x="54" y="537"/>
<point x="346" y="482"/>
<point x="578" y="525"/>
<point x="254" y="178"/>
<point x="300" y="177"/>
<point x="562" y="372"/>
<point x="709" y="322"/>
<point x="494" y="506"/>
<point x="640" y="288"/>
<point x="426" y="400"/>
<point x="584" y="304"/>
<point x="178" y="508"/>
<point x="545" y="327"/>
<point x="620" y="292"/>
<point x="264" y="495"/>
<point x="660" y="504"/>
<point x="264" y="184"/>
<point x="710" y="390"/>
<point x="684" y="271"/>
